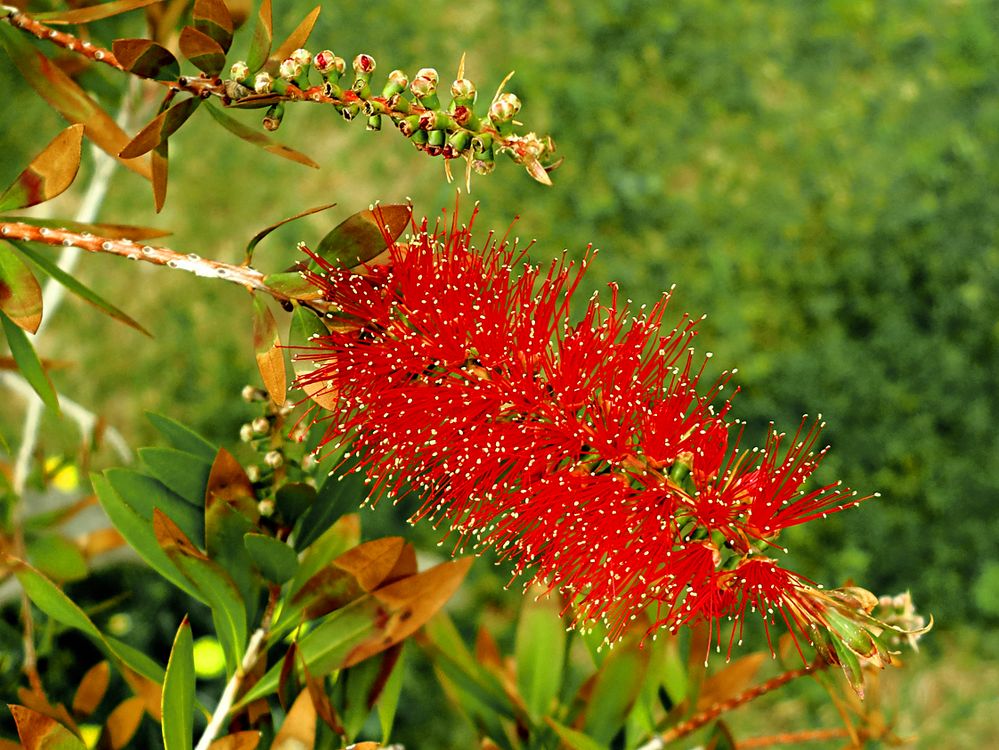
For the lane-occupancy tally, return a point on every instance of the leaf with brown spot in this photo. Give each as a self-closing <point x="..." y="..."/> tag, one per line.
<point x="297" y="38"/>
<point x="238" y="741"/>
<point x="91" y="689"/>
<point x="298" y="730"/>
<point x="269" y="354"/>
<point x="230" y="512"/>
<point x="372" y="562"/>
<point x="146" y="59"/>
<point x="252" y="244"/>
<point x="48" y="174"/>
<point x="40" y="732"/>
<point x="212" y="18"/>
<point x="92" y="12"/>
<point x="203" y="51"/>
<point x="263" y="35"/>
<point x="261" y="140"/>
<point x="361" y="237"/>
<point x="164" y="125"/>
<point x="20" y="294"/>
<point x="122" y="723"/>
<point x="66" y="97"/>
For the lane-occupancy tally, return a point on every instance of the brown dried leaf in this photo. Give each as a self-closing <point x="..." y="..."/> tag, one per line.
<point x="269" y="353"/>
<point x="298" y="730"/>
<point x="48" y="174"/>
<point x="729" y="682"/>
<point x="372" y="562"/>
<point x="149" y="691"/>
<point x="123" y="722"/>
<point x="146" y="58"/>
<point x="297" y="38"/>
<point x="100" y="541"/>
<point x="202" y="50"/>
<point x="40" y="732"/>
<point x="66" y="97"/>
<point x="92" y="12"/>
<point x="92" y="688"/>
<point x="238" y="741"/>
<point x="38" y="703"/>
<point x="160" y="128"/>
<point x="212" y="18"/>
<point x="321" y="700"/>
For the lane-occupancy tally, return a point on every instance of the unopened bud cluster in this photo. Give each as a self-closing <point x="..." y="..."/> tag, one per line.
<point x="413" y="105"/>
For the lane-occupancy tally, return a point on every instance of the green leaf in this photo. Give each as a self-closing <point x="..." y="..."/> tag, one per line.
<point x="338" y="493"/>
<point x="275" y="559"/>
<point x="389" y="702"/>
<point x="263" y="35"/>
<point x="76" y="287"/>
<point x="178" y="692"/>
<point x="293" y="499"/>
<point x="256" y="138"/>
<point x="138" y="532"/>
<point x="540" y="653"/>
<point x="145" y="494"/>
<point x="183" y="438"/>
<point x="179" y="471"/>
<point x="28" y="362"/>
<point x="361" y="237"/>
<point x="293" y="284"/>
<point x="574" y="739"/>
<point x="66" y="97"/>
<point x="361" y="687"/>
<point x="146" y="59"/>
<point x="20" y="295"/>
<point x="617" y="685"/>
<point x="48" y="174"/>
<point x="56" y="556"/>
<point x="52" y="601"/>
<point x="91" y="12"/>
<point x="252" y="244"/>
<point x="215" y="585"/>
<point x="136" y="660"/>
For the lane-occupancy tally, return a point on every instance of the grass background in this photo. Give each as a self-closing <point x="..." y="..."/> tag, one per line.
<point x="820" y="178"/>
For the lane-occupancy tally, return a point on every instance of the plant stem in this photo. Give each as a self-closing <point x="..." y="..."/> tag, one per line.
<point x="794" y="738"/>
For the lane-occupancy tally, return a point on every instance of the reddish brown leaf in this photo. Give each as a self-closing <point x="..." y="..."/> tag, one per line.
<point x="38" y="703"/>
<point x="238" y="741"/>
<point x="212" y="18"/>
<point x="40" y="732"/>
<point x="20" y="294"/>
<point x="371" y="563"/>
<point x="288" y="686"/>
<point x="239" y="10"/>
<point x="123" y="722"/>
<point x="297" y="38"/>
<point x="229" y="484"/>
<point x="92" y="12"/>
<point x="729" y="682"/>
<point x="160" y="167"/>
<point x="160" y="128"/>
<point x="92" y="688"/>
<point x="321" y="700"/>
<point x="146" y="58"/>
<point x="48" y="174"/>
<point x="409" y="604"/>
<point x="151" y="693"/>
<point x="66" y="97"/>
<point x="298" y="730"/>
<point x="203" y="51"/>
<point x="269" y="354"/>
<point x="100" y="541"/>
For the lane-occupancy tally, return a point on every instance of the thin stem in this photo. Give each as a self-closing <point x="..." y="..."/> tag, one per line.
<point x="699" y="720"/>
<point x="228" y="698"/>
<point x="795" y="738"/>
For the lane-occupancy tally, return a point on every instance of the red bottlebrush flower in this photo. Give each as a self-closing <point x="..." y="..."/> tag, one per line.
<point x="583" y="452"/>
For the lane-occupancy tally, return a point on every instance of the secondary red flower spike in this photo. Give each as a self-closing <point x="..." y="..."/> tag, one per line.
<point x="587" y="453"/>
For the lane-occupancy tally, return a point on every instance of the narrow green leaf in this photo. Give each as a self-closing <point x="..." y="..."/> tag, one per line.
<point x="573" y="739"/>
<point x="183" y="438"/>
<point x="78" y="288"/>
<point x="92" y="12"/>
<point x="255" y="137"/>
<point x="388" y="703"/>
<point x="275" y="559"/>
<point x="178" y="692"/>
<point x="263" y="35"/>
<point x="48" y="174"/>
<point x="52" y="601"/>
<point x="540" y="652"/>
<point x="361" y="237"/>
<point x="338" y="493"/>
<point x="138" y="532"/>
<point x="144" y="494"/>
<point x="293" y="499"/>
<point x="252" y="244"/>
<point x="136" y="660"/>
<point x="618" y="684"/>
<point x="28" y="362"/>
<point x="66" y="97"/>
<point x="361" y="687"/>
<point x="293" y="284"/>
<point x="56" y="556"/>
<point x="179" y="471"/>
<point x="20" y="294"/>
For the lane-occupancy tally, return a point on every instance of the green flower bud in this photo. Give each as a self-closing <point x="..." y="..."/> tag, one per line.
<point x="302" y="56"/>
<point x="463" y="90"/>
<point x="263" y="83"/>
<point x="239" y="71"/>
<point x="290" y="69"/>
<point x="504" y="108"/>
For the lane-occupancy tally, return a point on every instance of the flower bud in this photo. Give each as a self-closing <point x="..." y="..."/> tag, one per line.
<point x="364" y="63"/>
<point x="504" y="108"/>
<point x="430" y="74"/>
<point x="253" y="473"/>
<point x="266" y="507"/>
<point x="274" y="459"/>
<point x="263" y="83"/>
<point x="290" y="69"/>
<point x="396" y="84"/>
<point x="463" y="89"/>
<point x="302" y="56"/>
<point x="423" y="86"/>
<point x="239" y="71"/>
<point x="251" y="393"/>
<point x="261" y="425"/>
<point x="246" y="433"/>
<point x="325" y="61"/>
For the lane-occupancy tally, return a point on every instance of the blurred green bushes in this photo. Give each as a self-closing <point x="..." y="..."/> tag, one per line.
<point x="818" y="177"/>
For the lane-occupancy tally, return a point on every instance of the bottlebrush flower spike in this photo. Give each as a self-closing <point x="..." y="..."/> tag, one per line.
<point x="588" y="453"/>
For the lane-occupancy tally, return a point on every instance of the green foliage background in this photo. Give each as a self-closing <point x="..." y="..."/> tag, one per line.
<point x="820" y="178"/>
